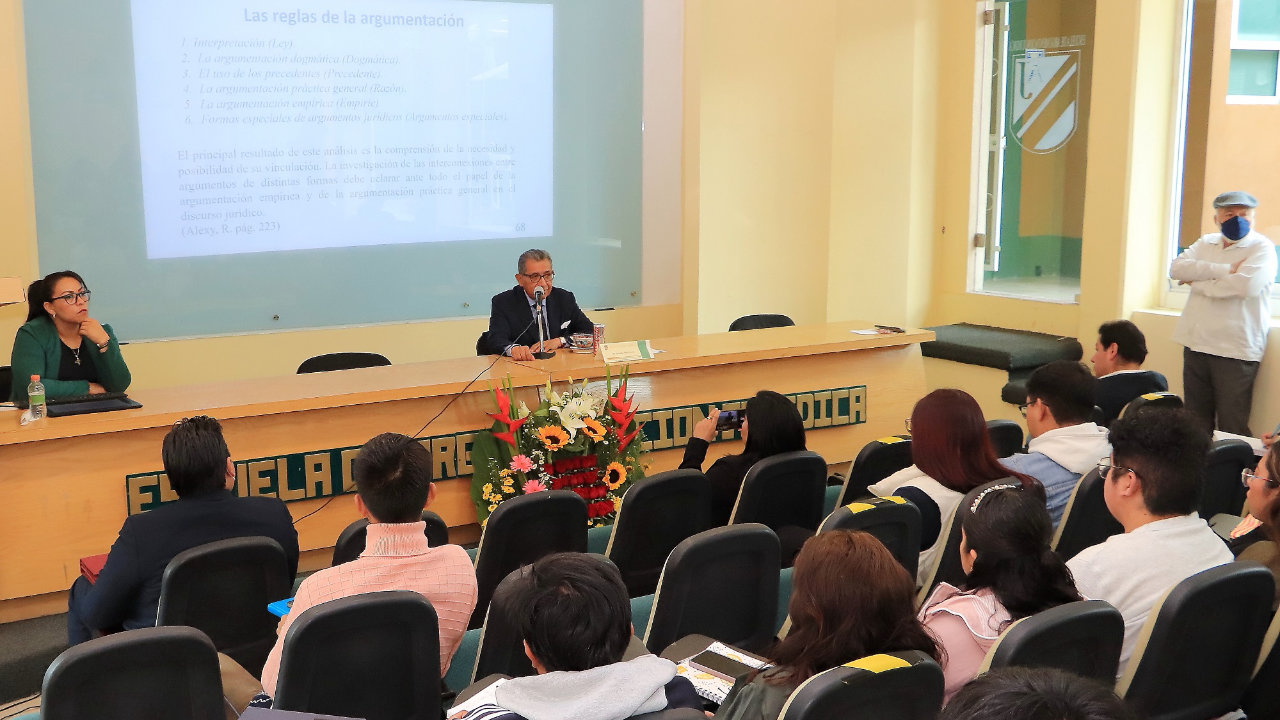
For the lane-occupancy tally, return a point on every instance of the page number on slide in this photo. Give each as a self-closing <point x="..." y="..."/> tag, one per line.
<point x="519" y="227"/>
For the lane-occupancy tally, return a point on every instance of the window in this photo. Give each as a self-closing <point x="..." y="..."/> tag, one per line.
<point x="1038" y="57"/>
<point x="1229" y="138"/>
<point x="1255" y="52"/>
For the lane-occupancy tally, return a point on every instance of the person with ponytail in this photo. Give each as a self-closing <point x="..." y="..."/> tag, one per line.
<point x="72" y="353"/>
<point x="1011" y="573"/>
<point x="850" y="598"/>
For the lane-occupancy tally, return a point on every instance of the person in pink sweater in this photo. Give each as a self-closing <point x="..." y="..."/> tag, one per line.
<point x="1010" y="573"/>
<point x="393" y="484"/>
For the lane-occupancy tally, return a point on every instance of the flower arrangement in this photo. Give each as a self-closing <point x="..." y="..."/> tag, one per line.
<point x="575" y="440"/>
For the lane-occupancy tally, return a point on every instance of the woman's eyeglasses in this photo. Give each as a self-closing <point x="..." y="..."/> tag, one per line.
<point x="73" y="298"/>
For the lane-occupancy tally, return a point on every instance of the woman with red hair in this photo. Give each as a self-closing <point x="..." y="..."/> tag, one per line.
<point x="952" y="455"/>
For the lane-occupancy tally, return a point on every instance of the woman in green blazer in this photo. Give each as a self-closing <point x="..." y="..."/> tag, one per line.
<point x="71" y="352"/>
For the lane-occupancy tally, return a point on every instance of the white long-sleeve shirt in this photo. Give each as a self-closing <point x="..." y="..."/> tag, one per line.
<point x="1228" y="314"/>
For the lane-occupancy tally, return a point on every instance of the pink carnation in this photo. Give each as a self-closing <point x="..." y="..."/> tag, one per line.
<point x="521" y="463"/>
<point x="533" y="486"/>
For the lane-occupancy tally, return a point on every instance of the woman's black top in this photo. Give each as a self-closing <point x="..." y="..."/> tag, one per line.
<point x="68" y="369"/>
<point x="725" y="477"/>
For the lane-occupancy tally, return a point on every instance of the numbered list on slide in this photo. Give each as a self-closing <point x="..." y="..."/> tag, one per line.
<point x="268" y="127"/>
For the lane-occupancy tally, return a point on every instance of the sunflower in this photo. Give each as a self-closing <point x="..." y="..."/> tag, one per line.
<point x="593" y="429"/>
<point x="493" y="507"/>
<point x="553" y="437"/>
<point x="615" y="475"/>
<point x="505" y="475"/>
<point x="486" y="488"/>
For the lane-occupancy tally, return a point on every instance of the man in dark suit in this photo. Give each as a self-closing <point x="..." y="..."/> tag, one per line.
<point x="1117" y="362"/>
<point x="200" y="471"/>
<point x="512" y="330"/>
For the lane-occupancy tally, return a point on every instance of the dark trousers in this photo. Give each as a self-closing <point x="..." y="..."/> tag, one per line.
<point x="1219" y="390"/>
<point x="77" y="631"/>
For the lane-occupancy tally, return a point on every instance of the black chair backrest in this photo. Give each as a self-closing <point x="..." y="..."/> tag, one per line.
<point x="482" y="342"/>
<point x="147" y="674"/>
<point x="783" y="490"/>
<point x="1085" y="519"/>
<point x="342" y="361"/>
<point x="1006" y="437"/>
<point x="1202" y="642"/>
<point x="876" y="461"/>
<point x="6" y="382"/>
<point x="906" y="685"/>
<point x="757" y="322"/>
<point x="222" y="589"/>
<point x="501" y="649"/>
<point x="892" y="520"/>
<point x="947" y="567"/>
<point x="522" y="530"/>
<point x="1083" y="638"/>
<point x="1222" y="491"/>
<point x="722" y="583"/>
<point x="1152" y="399"/>
<point x="352" y="538"/>
<point x="374" y="656"/>
<point x="1263" y="694"/>
<point x="657" y="513"/>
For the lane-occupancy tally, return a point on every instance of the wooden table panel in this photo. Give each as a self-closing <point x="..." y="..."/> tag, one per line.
<point x="62" y="481"/>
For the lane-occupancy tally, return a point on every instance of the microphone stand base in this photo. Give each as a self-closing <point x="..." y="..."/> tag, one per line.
<point x="543" y="355"/>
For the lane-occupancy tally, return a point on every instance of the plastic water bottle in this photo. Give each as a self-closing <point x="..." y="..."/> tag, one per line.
<point x="35" y="398"/>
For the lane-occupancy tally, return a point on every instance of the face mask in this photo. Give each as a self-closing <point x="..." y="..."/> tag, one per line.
<point x="1235" y="228"/>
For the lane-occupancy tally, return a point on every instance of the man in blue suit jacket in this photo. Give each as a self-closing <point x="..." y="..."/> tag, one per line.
<point x="198" y="464"/>
<point x="512" y="330"/>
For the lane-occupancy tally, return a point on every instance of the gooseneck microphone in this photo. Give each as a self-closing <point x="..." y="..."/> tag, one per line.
<point x="543" y="353"/>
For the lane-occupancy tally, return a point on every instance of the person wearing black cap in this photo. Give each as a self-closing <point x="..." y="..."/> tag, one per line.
<point x="1223" y="329"/>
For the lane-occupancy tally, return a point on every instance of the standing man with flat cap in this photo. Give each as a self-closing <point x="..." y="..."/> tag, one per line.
<point x="1223" y="329"/>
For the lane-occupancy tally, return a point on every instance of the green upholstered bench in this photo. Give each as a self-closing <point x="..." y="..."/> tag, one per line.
<point x="1018" y="352"/>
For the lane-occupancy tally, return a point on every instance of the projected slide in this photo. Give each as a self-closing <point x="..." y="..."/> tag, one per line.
<point x="269" y="125"/>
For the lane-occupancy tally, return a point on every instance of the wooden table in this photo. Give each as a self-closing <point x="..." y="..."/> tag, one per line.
<point x="63" y="481"/>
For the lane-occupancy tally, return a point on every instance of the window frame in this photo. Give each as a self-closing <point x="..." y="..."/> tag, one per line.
<point x="1264" y="45"/>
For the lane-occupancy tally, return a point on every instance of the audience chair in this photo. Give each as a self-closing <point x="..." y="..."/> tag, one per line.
<point x="656" y="514"/>
<point x="374" y="656"/>
<point x="758" y="322"/>
<point x="6" y="382"/>
<point x="1154" y="399"/>
<point x="904" y="685"/>
<point x="1200" y="644"/>
<point x="222" y="589"/>
<point x="1263" y="694"/>
<point x="946" y="564"/>
<point x="876" y="461"/>
<point x="721" y="583"/>
<point x="147" y="674"/>
<point x="785" y="492"/>
<point x="342" y="361"/>
<point x="1222" y="493"/>
<point x="523" y="529"/>
<point x="1083" y="638"/>
<point x="1006" y="437"/>
<point x="892" y="520"/>
<point x="501" y="649"/>
<point x="351" y="540"/>
<point x="1085" y="519"/>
